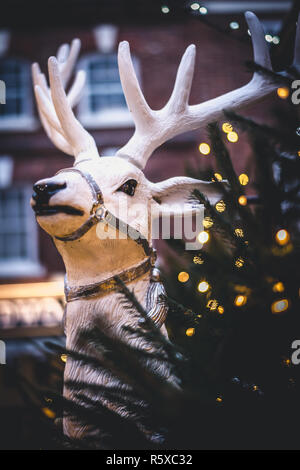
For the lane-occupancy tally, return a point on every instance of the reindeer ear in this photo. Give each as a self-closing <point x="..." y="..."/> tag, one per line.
<point x="173" y="194"/>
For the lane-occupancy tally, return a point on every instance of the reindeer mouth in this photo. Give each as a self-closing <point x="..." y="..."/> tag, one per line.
<point x="46" y="210"/>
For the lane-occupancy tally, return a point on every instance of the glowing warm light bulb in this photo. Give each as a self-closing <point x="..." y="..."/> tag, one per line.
<point x="282" y="237"/>
<point x="278" y="287"/>
<point x="198" y="260"/>
<point x="240" y="300"/>
<point x="212" y="304"/>
<point x="203" y="286"/>
<point x="208" y="222"/>
<point x="283" y="92"/>
<point x="49" y="413"/>
<point x="219" y="399"/>
<point x="232" y="136"/>
<point x="221" y="309"/>
<point x="239" y="232"/>
<point x="242" y="200"/>
<point x="227" y="127"/>
<point x="183" y="276"/>
<point x="218" y="176"/>
<point x="220" y="206"/>
<point x="243" y="179"/>
<point x="190" y="332"/>
<point x="203" y="237"/>
<point x="280" y="306"/>
<point x="204" y="148"/>
<point x="63" y="357"/>
<point x="239" y="262"/>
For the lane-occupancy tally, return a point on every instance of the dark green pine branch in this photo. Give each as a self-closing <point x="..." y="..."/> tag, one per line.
<point x="280" y="78"/>
<point x="287" y="140"/>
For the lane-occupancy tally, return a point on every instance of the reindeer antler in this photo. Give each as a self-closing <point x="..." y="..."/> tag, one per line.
<point x="55" y="107"/>
<point x="153" y="128"/>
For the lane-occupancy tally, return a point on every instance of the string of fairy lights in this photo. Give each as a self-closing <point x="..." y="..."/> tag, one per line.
<point x="202" y="11"/>
<point x="282" y="239"/>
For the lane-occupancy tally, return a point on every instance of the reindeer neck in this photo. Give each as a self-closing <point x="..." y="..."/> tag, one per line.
<point x="91" y="260"/>
<point x="83" y="314"/>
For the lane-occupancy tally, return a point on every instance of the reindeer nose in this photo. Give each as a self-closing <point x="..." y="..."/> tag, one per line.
<point x="44" y="191"/>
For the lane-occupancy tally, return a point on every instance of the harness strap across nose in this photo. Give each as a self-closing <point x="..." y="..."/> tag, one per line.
<point x="99" y="213"/>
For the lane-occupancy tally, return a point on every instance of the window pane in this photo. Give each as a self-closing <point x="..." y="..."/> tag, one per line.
<point x="10" y="107"/>
<point x="105" y="91"/>
<point x="15" y="231"/>
<point x="16" y="76"/>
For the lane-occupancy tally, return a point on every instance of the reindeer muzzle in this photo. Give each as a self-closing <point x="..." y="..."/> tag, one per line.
<point x="99" y="213"/>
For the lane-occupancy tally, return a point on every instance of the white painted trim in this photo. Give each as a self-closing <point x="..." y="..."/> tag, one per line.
<point x="107" y="119"/>
<point x="106" y="37"/>
<point x="22" y="123"/>
<point x="20" y="268"/>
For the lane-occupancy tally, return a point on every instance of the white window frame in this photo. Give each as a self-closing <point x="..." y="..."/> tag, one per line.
<point x="25" y="121"/>
<point x="108" y="117"/>
<point x="28" y="266"/>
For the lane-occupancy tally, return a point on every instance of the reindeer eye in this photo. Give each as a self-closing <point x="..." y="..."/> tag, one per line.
<point x="128" y="187"/>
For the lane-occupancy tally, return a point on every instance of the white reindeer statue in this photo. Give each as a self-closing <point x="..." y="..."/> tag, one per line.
<point x="79" y="206"/>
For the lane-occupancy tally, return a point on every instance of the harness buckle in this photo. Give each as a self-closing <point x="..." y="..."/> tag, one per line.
<point x="99" y="212"/>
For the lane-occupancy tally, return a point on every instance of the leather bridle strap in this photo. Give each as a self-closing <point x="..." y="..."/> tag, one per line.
<point x="99" y="213"/>
<point x="108" y="285"/>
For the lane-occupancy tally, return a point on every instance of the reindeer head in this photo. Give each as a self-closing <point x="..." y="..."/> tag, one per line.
<point x="66" y="201"/>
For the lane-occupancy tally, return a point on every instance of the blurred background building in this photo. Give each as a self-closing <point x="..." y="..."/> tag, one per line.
<point x="31" y="271"/>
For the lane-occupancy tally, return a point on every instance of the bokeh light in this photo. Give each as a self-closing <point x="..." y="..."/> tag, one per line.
<point x="183" y="276"/>
<point x="204" y="148"/>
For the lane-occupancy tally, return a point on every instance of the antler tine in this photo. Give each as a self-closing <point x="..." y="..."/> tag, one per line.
<point x="134" y="97"/>
<point x="150" y="131"/>
<point x="47" y="109"/>
<point x="42" y="94"/>
<point x="179" y="99"/>
<point x="67" y="57"/>
<point x="260" y="47"/>
<point x="63" y="52"/>
<point x="76" y="90"/>
<point x="58" y="119"/>
<point x="80" y="140"/>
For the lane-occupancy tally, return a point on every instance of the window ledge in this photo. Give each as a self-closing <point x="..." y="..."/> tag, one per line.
<point x="109" y="119"/>
<point x="19" y="268"/>
<point x="13" y="124"/>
